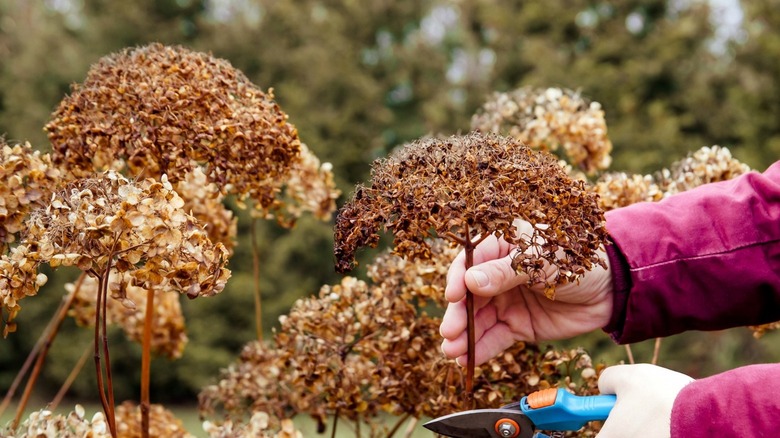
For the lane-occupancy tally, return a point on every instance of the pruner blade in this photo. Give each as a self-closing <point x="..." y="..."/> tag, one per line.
<point x="483" y="423"/>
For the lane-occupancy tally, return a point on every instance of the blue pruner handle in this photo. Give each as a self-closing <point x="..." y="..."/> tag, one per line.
<point x="558" y="409"/>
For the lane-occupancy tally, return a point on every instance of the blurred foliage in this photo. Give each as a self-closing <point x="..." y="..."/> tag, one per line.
<point x="361" y="77"/>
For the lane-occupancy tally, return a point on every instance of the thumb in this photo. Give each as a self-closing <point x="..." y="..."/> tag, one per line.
<point x="493" y="277"/>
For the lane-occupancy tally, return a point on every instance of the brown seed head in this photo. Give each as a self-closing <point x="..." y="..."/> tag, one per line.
<point x="158" y="110"/>
<point x="467" y="186"/>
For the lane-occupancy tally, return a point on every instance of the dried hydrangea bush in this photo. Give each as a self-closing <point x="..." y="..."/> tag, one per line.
<point x="27" y="177"/>
<point x="399" y="368"/>
<point x="550" y="119"/>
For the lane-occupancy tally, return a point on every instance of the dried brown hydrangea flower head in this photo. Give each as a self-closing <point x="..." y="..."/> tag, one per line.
<point x="27" y="177"/>
<point x="550" y="119"/>
<point x="462" y="187"/>
<point x="157" y="109"/>
<point x="109" y="222"/>
<point x="162" y="422"/>
<point x="169" y="335"/>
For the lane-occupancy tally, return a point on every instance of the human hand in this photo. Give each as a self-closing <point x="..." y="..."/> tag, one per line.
<point x="507" y="311"/>
<point x="645" y="397"/>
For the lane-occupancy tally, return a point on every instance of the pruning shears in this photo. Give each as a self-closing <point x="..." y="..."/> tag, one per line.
<point x="548" y="409"/>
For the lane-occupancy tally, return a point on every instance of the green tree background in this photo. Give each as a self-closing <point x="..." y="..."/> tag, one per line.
<point x="359" y="77"/>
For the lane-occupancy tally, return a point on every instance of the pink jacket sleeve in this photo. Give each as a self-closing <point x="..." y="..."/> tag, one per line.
<point x="740" y="403"/>
<point x="705" y="259"/>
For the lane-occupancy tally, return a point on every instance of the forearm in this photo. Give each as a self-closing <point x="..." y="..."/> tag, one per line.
<point x="740" y="402"/>
<point x="705" y="259"/>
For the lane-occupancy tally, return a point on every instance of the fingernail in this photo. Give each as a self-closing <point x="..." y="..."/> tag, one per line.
<point x="480" y="277"/>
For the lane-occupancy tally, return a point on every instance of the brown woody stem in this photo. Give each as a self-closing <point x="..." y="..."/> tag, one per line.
<point x="630" y="354"/>
<point x="398" y="425"/>
<point x="36" y="348"/>
<point x="470" y="354"/>
<point x="335" y="423"/>
<point x="70" y="379"/>
<point x="146" y="356"/>
<point x="656" y="351"/>
<point x="256" y="275"/>
<point x="48" y="339"/>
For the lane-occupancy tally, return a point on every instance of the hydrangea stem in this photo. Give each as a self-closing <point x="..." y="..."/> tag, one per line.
<point x="146" y="362"/>
<point x="470" y="354"/>
<point x="70" y="379"/>
<point x="256" y="274"/>
<point x="48" y="338"/>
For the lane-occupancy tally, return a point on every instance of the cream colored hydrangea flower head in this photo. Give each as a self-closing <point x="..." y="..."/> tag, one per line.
<point x="706" y="165"/>
<point x="550" y="119"/>
<point x="46" y="424"/>
<point x="110" y="223"/>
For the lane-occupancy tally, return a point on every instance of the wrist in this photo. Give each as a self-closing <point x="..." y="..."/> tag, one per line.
<point x="621" y="285"/>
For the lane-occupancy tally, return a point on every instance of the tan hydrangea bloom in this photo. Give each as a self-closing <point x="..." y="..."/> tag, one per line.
<point x="26" y="180"/>
<point x="169" y="335"/>
<point x="162" y="422"/>
<point x="550" y="119"/>
<point x="706" y="165"/>
<point x="109" y="222"/>
<point x="157" y="110"/>
<point x="46" y="424"/>
<point x="619" y="189"/>
<point x="760" y="330"/>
